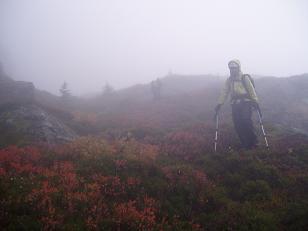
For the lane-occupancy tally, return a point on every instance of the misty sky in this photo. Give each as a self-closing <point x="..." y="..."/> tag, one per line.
<point x="123" y="42"/>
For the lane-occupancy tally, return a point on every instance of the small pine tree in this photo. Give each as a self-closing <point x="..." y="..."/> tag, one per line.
<point x="65" y="92"/>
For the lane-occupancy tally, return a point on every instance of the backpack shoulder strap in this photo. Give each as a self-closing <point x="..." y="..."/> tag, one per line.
<point x="244" y="82"/>
<point x="249" y="77"/>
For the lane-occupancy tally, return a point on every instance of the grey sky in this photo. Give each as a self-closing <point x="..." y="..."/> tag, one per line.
<point x="90" y="42"/>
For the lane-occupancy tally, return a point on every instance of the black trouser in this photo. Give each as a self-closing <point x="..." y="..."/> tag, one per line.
<point x="241" y="114"/>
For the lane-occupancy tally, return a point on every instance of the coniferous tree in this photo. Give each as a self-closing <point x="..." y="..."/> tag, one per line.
<point x="65" y="92"/>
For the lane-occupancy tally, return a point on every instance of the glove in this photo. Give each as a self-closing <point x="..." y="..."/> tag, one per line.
<point x="217" y="108"/>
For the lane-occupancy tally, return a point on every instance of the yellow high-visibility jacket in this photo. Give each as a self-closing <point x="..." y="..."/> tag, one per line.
<point x="237" y="90"/>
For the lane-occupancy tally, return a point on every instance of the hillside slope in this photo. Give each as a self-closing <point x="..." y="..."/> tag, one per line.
<point x="189" y="99"/>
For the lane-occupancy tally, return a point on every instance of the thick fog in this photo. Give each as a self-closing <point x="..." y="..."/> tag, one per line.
<point x="123" y="42"/>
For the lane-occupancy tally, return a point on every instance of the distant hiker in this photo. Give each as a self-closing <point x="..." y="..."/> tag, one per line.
<point x="156" y="89"/>
<point x="108" y="90"/>
<point x="243" y="99"/>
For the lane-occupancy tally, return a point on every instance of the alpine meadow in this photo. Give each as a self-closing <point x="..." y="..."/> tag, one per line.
<point x="153" y="115"/>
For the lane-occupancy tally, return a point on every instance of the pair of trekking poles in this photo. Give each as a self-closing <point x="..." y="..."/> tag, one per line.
<point x="261" y="124"/>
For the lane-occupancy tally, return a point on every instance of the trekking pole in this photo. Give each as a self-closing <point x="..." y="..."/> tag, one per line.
<point x="216" y="134"/>
<point x="262" y="128"/>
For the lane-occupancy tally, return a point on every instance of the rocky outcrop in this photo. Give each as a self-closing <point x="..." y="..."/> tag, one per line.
<point x="30" y="123"/>
<point x="15" y="92"/>
<point x="22" y="121"/>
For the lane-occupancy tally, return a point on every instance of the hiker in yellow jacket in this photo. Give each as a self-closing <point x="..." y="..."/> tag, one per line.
<point x="243" y="99"/>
